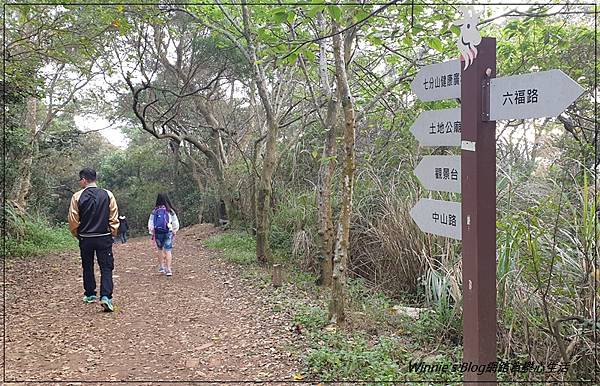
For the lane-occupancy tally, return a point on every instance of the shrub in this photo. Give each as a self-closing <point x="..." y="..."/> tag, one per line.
<point x="33" y="236"/>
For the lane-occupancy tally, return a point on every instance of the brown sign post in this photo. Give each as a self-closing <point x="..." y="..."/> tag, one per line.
<point x="484" y="98"/>
<point x="478" y="188"/>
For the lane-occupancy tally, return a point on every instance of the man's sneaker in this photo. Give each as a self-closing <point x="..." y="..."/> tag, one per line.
<point x="169" y="273"/>
<point x="107" y="304"/>
<point x="89" y="299"/>
<point x="161" y="270"/>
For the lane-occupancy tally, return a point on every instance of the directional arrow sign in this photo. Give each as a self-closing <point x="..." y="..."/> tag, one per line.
<point x="438" y="81"/>
<point x="440" y="172"/>
<point x="535" y="95"/>
<point x="438" y="217"/>
<point x="438" y="128"/>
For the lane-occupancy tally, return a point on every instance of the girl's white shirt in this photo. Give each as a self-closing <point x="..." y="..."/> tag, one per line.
<point x="173" y="222"/>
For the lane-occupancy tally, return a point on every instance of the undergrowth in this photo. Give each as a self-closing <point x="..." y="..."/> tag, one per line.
<point x="29" y="236"/>
<point x="377" y="345"/>
<point x="238" y="247"/>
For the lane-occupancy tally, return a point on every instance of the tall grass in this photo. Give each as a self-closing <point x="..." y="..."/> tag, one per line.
<point x="294" y="228"/>
<point x="545" y="273"/>
<point x="31" y="235"/>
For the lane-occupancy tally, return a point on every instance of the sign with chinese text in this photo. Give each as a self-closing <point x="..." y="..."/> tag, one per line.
<point x="440" y="173"/>
<point x="442" y="218"/>
<point x="438" y="81"/>
<point x="438" y="127"/>
<point x="535" y="95"/>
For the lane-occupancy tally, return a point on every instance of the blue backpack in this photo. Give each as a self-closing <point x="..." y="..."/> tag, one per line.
<point x="161" y="220"/>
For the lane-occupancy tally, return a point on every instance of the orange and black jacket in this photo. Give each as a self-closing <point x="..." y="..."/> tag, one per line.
<point x="93" y="212"/>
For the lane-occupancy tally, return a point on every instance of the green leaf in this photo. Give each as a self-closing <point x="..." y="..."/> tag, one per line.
<point x="361" y="15"/>
<point x="436" y="44"/>
<point x="280" y="16"/>
<point x="391" y="59"/>
<point x="335" y="12"/>
<point x="375" y="40"/>
<point x="310" y="56"/>
<point x="292" y="58"/>
<point x="291" y="16"/>
<point x="313" y="10"/>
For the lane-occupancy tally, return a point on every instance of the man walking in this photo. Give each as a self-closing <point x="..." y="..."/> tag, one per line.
<point x="93" y="219"/>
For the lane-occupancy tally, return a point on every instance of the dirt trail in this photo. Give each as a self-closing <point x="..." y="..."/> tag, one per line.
<point x="205" y="323"/>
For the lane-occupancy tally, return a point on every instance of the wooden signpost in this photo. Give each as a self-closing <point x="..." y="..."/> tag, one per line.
<point x="484" y="99"/>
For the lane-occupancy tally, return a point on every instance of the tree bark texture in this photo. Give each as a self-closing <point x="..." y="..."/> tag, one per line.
<point x="22" y="186"/>
<point x="326" y="169"/>
<point x="325" y="176"/>
<point x="263" y="251"/>
<point x="340" y="260"/>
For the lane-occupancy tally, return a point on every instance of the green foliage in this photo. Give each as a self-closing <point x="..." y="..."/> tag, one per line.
<point x="547" y="218"/>
<point x="342" y="358"/>
<point x="237" y="247"/>
<point x="311" y="318"/>
<point x="295" y="217"/>
<point x="545" y="265"/>
<point x="372" y="350"/>
<point x="374" y="303"/>
<point x="34" y="236"/>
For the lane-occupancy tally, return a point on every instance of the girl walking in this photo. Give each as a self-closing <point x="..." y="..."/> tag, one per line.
<point x="163" y="225"/>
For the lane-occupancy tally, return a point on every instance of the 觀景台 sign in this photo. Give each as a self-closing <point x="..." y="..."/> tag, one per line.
<point x="440" y="173"/>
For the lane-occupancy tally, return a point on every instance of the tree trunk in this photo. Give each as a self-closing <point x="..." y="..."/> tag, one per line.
<point x="22" y="186"/>
<point x="219" y="163"/>
<point x="326" y="167"/>
<point x="254" y="182"/>
<point x="263" y="251"/>
<point x="340" y="260"/>
<point x="325" y="221"/>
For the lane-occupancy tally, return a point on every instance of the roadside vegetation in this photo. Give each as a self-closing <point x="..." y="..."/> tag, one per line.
<point x="289" y="125"/>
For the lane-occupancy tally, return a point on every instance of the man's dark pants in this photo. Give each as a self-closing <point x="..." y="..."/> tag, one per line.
<point x="102" y="246"/>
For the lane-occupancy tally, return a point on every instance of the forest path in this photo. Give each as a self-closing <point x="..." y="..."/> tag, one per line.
<point x="206" y="322"/>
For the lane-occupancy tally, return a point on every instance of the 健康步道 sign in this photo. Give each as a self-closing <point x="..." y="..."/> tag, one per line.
<point x="437" y="81"/>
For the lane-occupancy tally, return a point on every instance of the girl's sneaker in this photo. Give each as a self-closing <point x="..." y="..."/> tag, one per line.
<point x="162" y="270"/>
<point x="169" y="273"/>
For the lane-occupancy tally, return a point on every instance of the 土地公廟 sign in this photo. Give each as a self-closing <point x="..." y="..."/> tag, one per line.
<point x="438" y="127"/>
